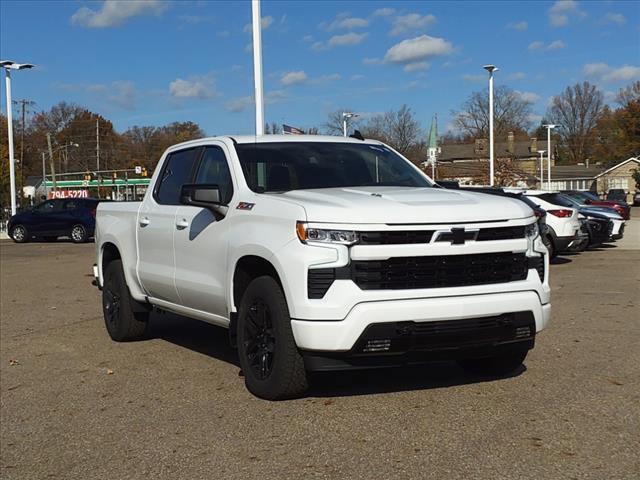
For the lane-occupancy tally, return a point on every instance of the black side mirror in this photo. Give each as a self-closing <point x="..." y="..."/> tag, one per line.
<point x="587" y="201"/>
<point x="201" y="195"/>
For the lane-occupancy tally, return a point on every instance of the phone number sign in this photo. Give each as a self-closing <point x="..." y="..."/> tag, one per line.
<point x="69" y="194"/>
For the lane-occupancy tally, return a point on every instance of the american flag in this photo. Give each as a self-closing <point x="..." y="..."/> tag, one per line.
<point x="289" y="130"/>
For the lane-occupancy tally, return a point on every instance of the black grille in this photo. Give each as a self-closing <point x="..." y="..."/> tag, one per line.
<point x="319" y="280"/>
<point x="501" y="233"/>
<point x="397" y="237"/>
<point x="439" y="271"/>
<point x="406" y="237"/>
<point x="538" y="264"/>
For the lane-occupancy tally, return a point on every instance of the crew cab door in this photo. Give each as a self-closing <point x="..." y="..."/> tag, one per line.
<point x="200" y="241"/>
<point x="157" y="223"/>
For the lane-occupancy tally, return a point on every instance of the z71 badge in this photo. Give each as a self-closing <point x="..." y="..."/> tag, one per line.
<point x="245" y="206"/>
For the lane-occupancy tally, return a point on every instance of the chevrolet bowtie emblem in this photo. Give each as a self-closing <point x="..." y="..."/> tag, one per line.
<point x="458" y="236"/>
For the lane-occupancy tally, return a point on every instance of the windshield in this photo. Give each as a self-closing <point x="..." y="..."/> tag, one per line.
<point x="588" y="195"/>
<point x="283" y="166"/>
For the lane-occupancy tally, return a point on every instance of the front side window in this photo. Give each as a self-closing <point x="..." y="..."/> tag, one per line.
<point x="176" y="172"/>
<point x="48" y="206"/>
<point x="283" y="166"/>
<point x="214" y="170"/>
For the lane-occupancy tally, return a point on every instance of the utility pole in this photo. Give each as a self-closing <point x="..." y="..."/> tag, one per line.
<point x="98" y="144"/>
<point x="52" y="162"/>
<point x="44" y="174"/>
<point x="23" y="104"/>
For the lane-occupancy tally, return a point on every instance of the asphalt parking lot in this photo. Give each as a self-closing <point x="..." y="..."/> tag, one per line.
<point x="73" y="404"/>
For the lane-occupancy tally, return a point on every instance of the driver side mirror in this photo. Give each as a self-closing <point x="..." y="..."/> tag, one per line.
<point x="587" y="201"/>
<point x="200" y="195"/>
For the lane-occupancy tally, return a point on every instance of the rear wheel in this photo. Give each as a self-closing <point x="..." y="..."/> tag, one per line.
<point x="78" y="234"/>
<point x="497" y="366"/>
<point x="122" y="322"/>
<point x="272" y="365"/>
<point x="550" y="246"/>
<point x="20" y="234"/>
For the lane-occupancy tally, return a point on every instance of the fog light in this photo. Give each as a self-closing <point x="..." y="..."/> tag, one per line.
<point x="523" y="332"/>
<point x="377" y="345"/>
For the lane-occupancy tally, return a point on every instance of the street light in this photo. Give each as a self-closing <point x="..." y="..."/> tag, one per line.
<point x="8" y="65"/>
<point x="541" y="152"/>
<point x="345" y="116"/>
<point x="491" y="69"/>
<point x="549" y="127"/>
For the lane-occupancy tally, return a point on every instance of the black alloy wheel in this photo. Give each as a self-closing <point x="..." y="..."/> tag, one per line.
<point x="259" y="340"/>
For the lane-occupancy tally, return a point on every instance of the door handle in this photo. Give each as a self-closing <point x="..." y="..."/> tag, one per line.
<point x="144" y="221"/>
<point x="182" y="224"/>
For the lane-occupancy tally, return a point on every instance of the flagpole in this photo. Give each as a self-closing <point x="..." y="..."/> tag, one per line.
<point x="257" y="65"/>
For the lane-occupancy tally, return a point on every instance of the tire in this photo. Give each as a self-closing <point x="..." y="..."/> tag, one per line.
<point x="497" y="366"/>
<point x="272" y="365"/>
<point x="123" y="324"/>
<point x="78" y="234"/>
<point x="20" y="234"/>
<point x="551" y="247"/>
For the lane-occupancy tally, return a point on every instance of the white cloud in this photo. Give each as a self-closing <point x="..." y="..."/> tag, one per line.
<point x="555" y="45"/>
<point x="307" y="38"/>
<point x="529" y="96"/>
<point x="411" y="21"/>
<point x="474" y="78"/>
<point x="223" y="33"/>
<point x="113" y="12"/>
<point x="417" y="49"/>
<point x="318" y="46"/>
<point x="293" y="78"/>
<point x="615" y="18"/>
<point x="327" y="78"/>
<point x="346" y="39"/>
<point x="195" y="87"/>
<point x="521" y="26"/>
<point x="265" y="23"/>
<point x="345" y="21"/>
<point x="416" y="67"/>
<point x="384" y="12"/>
<point x="274" y="96"/>
<point x="536" y="45"/>
<point x="356" y="77"/>
<point x="516" y="76"/>
<point x="120" y="93"/>
<point x="562" y="11"/>
<point x="604" y="73"/>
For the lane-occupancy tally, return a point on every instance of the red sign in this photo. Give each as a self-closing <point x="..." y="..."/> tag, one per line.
<point x="69" y="194"/>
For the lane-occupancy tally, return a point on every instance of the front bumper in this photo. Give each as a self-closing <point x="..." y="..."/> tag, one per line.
<point x="341" y="336"/>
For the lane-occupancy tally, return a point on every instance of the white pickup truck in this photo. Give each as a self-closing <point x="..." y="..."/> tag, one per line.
<point x="324" y="253"/>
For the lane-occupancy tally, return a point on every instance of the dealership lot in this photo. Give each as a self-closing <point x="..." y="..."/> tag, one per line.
<point x="76" y="405"/>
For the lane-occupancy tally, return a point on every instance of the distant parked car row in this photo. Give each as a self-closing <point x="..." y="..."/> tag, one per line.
<point x="569" y="221"/>
<point x="74" y="218"/>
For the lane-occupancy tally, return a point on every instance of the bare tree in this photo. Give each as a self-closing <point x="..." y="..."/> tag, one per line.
<point x="400" y="129"/>
<point x="334" y="125"/>
<point x="512" y="113"/>
<point x="629" y="94"/>
<point x="576" y="111"/>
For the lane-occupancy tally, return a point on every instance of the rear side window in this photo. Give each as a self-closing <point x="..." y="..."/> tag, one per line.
<point x="49" y="206"/>
<point x="177" y="171"/>
<point x="214" y="170"/>
<point x="71" y="205"/>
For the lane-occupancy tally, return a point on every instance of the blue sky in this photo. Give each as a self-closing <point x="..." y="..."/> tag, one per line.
<point x="153" y="62"/>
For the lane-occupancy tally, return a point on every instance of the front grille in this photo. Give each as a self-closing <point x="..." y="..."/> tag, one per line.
<point x="537" y="263"/>
<point x="395" y="237"/>
<point x="407" y="237"/>
<point x="502" y="233"/>
<point x="318" y="281"/>
<point x="398" y="337"/>
<point x="439" y="271"/>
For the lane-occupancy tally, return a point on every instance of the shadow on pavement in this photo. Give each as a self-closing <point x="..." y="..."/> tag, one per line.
<point x="560" y="260"/>
<point x="213" y="341"/>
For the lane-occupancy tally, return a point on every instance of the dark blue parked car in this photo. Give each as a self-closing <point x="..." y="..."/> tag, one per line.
<point x="72" y="217"/>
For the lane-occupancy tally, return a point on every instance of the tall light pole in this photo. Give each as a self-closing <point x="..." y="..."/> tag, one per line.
<point x="541" y="152"/>
<point x="257" y="65"/>
<point x="491" y="69"/>
<point x="549" y="127"/>
<point x="8" y="65"/>
<point x="345" y="117"/>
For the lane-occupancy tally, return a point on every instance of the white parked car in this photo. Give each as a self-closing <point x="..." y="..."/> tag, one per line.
<point x="324" y="253"/>
<point x="563" y="223"/>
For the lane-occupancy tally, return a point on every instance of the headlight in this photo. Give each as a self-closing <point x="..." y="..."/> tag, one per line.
<point x="310" y="234"/>
<point x="531" y="230"/>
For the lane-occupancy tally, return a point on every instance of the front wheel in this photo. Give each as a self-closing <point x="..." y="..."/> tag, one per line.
<point x="497" y="366"/>
<point x="79" y="234"/>
<point x="272" y="365"/>
<point x="122" y="322"/>
<point x="20" y="234"/>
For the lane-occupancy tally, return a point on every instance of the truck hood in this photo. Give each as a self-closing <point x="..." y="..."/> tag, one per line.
<point x="404" y="205"/>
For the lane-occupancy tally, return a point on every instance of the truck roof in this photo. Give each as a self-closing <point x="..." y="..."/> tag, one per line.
<point x="243" y="139"/>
